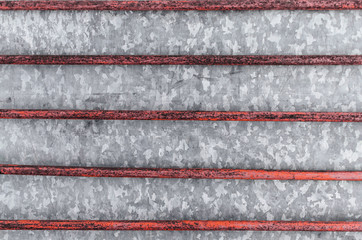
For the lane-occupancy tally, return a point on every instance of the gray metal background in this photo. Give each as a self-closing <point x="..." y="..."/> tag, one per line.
<point x="301" y="146"/>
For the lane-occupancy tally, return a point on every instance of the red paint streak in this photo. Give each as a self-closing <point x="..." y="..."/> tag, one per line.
<point x="179" y="173"/>
<point x="182" y="115"/>
<point x="200" y="5"/>
<point x="180" y="225"/>
<point x="182" y="59"/>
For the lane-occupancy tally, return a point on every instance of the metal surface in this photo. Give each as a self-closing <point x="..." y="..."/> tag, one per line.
<point x="249" y="145"/>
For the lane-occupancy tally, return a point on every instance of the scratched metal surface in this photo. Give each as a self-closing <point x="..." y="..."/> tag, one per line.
<point x="301" y="146"/>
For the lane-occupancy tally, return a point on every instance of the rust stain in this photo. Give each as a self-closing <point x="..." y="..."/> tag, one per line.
<point x="182" y="115"/>
<point x="180" y="173"/>
<point x="180" y="225"/>
<point x="182" y="59"/>
<point x="200" y="5"/>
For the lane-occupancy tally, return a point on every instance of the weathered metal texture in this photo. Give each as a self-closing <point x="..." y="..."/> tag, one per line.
<point x="180" y="225"/>
<point x="179" y="173"/>
<point x="200" y="5"/>
<point x="182" y="59"/>
<point x="182" y="115"/>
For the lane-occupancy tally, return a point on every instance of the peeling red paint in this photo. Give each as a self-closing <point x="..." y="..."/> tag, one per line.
<point x="200" y="5"/>
<point x="182" y="115"/>
<point x="180" y="225"/>
<point x="182" y="59"/>
<point x="180" y="173"/>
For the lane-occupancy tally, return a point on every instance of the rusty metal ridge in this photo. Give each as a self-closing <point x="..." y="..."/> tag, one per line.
<point x="179" y="5"/>
<point x="182" y="115"/>
<point x="206" y="173"/>
<point x="181" y="59"/>
<point x="187" y="225"/>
